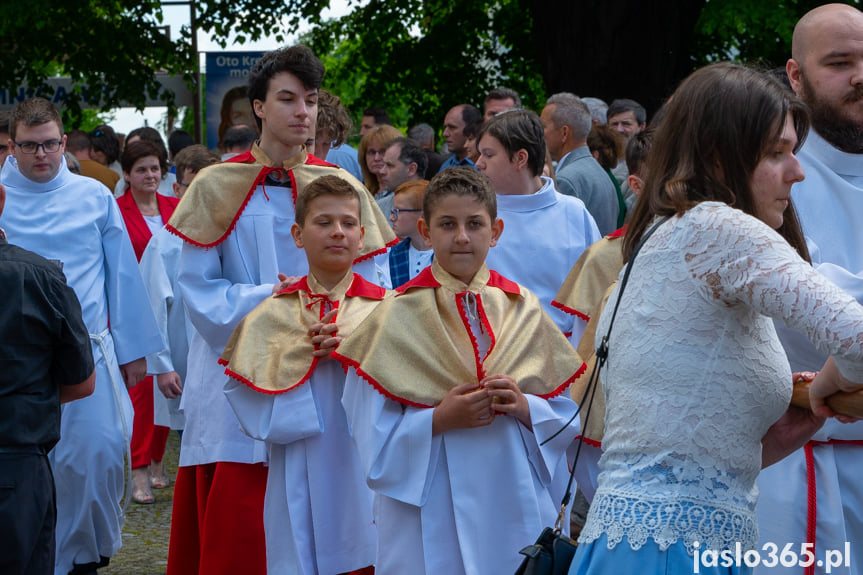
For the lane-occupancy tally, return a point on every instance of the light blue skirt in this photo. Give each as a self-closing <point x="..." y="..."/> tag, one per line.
<point x="597" y="559"/>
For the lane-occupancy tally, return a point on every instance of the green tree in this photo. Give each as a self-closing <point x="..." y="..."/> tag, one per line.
<point x="113" y="47"/>
<point x="417" y="58"/>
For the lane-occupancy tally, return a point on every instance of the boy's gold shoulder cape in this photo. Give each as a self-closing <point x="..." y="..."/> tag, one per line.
<point x="416" y="346"/>
<point x="270" y="350"/>
<point x="596" y="269"/>
<point x="584" y="294"/>
<point x="219" y="194"/>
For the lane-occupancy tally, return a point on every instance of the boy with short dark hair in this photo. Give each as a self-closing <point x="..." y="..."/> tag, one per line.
<point x="285" y="392"/>
<point x="450" y="421"/>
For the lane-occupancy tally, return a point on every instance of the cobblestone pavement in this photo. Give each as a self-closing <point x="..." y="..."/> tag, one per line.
<point x="148" y="528"/>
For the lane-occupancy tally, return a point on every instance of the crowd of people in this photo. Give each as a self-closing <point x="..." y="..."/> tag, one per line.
<point x="378" y="358"/>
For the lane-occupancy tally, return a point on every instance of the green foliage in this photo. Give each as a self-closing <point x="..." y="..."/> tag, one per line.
<point x="418" y="58"/>
<point x="112" y="47"/>
<point x="752" y="32"/>
<point x="88" y="121"/>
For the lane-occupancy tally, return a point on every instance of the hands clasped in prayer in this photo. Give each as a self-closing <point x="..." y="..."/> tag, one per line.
<point x="476" y="405"/>
<point x="324" y="336"/>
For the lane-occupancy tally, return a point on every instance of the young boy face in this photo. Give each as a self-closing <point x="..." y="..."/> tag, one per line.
<point x="461" y="232"/>
<point x="406" y="223"/>
<point x="331" y="235"/>
<point x="289" y="112"/>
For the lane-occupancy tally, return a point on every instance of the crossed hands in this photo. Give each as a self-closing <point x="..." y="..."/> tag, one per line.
<point x="324" y="335"/>
<point x="476" y="405"/>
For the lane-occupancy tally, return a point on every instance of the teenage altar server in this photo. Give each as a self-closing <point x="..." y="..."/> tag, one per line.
<point x="75" y="221"/>
<point x="236" y="222"/>
<point x="286" y="391"/>
<point x="546" y="230"/>
<point x="450" y="422"/>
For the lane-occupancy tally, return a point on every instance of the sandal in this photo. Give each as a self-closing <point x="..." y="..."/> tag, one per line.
<point x="141" y="493"/>
<point x="159" y="480"/>
<point x="143" y="496"/>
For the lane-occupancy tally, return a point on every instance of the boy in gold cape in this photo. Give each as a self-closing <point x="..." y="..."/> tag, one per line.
<point x="452" y="387"/>
<point x="285" y="391"/>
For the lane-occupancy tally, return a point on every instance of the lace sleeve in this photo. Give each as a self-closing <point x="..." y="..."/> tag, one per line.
<point x="738" y="260"/>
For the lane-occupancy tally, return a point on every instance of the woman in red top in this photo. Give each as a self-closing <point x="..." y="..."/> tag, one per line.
<point x="144" y="212"/>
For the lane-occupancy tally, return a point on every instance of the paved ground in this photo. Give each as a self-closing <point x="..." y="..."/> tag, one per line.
<point x="148" y="527"/>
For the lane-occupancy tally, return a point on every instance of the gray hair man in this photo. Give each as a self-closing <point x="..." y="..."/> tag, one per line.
<point x="566" y="122"/>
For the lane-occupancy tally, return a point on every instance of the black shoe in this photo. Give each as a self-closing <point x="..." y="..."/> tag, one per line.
<point x="89" y="568"/>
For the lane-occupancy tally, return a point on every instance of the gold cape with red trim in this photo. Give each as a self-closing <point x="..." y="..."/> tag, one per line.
<point x="587" y="281"/>
<point x="219" y="194"/>
<point x="416" y="346"/>
<point x="594" y="430"/>
<point x="584" y="293"/>
<point x="271" y="351"/>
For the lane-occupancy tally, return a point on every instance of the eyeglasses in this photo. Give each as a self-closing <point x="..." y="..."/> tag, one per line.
<point x="395" y="212"/>
<point x="49" y="147"/>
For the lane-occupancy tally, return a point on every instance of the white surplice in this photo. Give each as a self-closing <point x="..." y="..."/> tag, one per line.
<point x="316" y="492"/>
<point x="74" y="220"/>
<point x="160" y="266"/>
<point x="543" y="236"/>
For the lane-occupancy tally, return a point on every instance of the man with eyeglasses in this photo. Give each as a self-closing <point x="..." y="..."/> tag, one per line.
<point x="75" y="222"/>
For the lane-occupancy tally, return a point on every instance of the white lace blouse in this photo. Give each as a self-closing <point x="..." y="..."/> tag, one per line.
<point x="696" y="376"/>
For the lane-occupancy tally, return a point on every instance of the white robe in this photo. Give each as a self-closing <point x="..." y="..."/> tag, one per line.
<point x="76" y="221"/>
<point x="317" y="509"/>
<point x="830" y="204"/>
<point x="464" y="501"/>
<point x="220" y="285"/>
<point x="160" y="266"/>
<point x="543" y="236"/>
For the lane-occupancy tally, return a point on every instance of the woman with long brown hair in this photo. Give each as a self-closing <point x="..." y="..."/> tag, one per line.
<point x="697" y="385"/>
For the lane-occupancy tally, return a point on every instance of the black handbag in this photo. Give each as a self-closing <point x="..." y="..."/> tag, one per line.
<point x="553" y="551"/>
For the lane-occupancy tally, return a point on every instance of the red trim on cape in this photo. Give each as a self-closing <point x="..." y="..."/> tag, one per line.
<point x="812" y="491"/>
<point x="503" y="284"/>
<point x="377" y="252"/>
<point x="589" y="441"/>
<point x="243" y="158"/>
<point x="424" y="279"/>
<point x="316" y="161"/>
<point x="248" y="158"/>
<point x="474" y="343"/>
<point x="360" y="287"/>
<point x="347" y="362"/>
<point x="569" y="310"/>
<point x="618" y="233"/>
<point x="234" y="375"/>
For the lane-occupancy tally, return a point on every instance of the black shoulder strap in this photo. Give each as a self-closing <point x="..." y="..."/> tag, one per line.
<point x="601" y="357"/>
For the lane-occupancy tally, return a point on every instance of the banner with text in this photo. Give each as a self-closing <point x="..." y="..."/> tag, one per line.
<point x="227" y="103"/>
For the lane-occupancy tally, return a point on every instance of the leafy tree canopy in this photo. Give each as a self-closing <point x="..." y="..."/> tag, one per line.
<point x="417" y="58"/>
